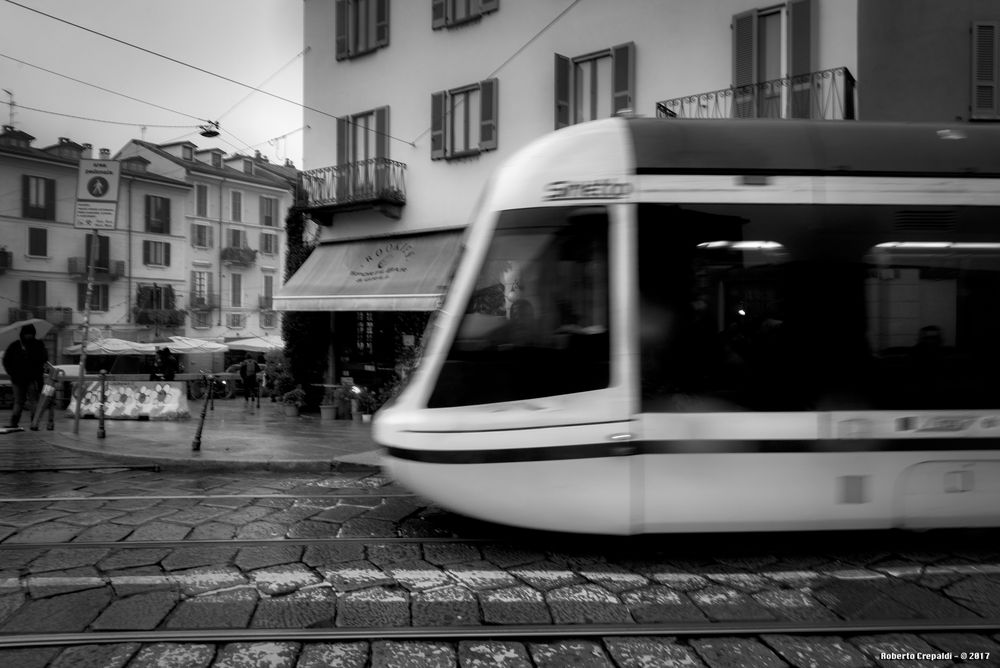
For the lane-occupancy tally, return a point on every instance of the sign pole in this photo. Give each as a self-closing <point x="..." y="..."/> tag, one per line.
<point x="86" y="329"/>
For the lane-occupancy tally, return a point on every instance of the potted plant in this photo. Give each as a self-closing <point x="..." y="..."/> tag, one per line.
<point x="293" y="400"/>
<point x="366" y="404"/>
<point x="328" y="406"/>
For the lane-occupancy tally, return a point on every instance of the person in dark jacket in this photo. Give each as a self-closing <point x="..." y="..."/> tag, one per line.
<point x="25" y="361"/>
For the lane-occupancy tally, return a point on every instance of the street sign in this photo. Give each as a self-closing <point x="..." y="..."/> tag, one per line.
<point x="97" y="194"/>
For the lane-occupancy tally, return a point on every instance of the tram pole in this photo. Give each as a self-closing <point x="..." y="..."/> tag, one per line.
<point x="210" y="381"/>
<point x="86" y="329"/>
<point x="100" y="422"/>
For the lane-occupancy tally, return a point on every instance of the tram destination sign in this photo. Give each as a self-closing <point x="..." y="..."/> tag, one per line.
<point x="97" y="194"/>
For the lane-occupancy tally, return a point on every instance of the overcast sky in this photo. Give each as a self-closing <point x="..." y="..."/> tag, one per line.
<point x="249" y="41"/>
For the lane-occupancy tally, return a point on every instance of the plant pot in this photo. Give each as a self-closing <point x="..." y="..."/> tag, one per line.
<point x="291" y="410"/>
<point x="366" y="417"/>
<point x="328" y="412"/>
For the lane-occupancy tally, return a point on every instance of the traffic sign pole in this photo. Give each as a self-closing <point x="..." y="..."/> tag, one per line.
<point x="86" y="329"/>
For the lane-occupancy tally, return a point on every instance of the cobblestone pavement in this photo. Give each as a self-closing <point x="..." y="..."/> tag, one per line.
<point x="116" y="551"/>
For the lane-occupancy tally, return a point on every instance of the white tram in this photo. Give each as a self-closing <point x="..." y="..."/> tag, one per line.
<point x="680" y="325"/>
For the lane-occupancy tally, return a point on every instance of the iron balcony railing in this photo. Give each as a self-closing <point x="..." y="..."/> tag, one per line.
<point x="204" y="302"/>
<point x="374" y="181"/>
<point x="824" y="95"/>
<point x="240" y="255"/>
<point x="109" y="270"/>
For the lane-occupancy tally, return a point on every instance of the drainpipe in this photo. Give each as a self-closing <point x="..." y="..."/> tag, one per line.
<point x="128" y="289"/>
<point x="221" y="237"/>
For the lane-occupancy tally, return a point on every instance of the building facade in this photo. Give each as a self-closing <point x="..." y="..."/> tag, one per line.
<point x="396" y="155"/>
<point x="230" y="233"/>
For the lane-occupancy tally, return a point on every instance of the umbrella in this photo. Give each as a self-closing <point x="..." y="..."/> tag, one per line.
<point x="10" y="333"/>
<point x="111" y="346"/>
<point x="187" y="345"/>
<point x="258" y="344"/>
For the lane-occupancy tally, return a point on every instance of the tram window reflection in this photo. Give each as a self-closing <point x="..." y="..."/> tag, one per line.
<point x="537" y="320"/>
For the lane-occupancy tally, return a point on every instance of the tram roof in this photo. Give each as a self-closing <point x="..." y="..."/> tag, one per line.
<point x="758" y="146"/>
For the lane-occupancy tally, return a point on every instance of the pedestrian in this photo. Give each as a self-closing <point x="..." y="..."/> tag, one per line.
<point x="168" y="363"/>
<point x="25" y="361"/>
<point x="248" y="373"/>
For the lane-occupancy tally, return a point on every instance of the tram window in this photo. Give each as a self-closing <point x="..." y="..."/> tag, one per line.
<point x="537" y="321"/>
<point x="934" y="323"/>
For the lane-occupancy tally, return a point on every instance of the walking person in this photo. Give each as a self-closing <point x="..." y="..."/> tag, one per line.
<point x="248" y="374"/>
<point x="25" y="361"/>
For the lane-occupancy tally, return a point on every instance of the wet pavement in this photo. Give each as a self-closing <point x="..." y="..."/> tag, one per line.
<point x="234" y="436"/>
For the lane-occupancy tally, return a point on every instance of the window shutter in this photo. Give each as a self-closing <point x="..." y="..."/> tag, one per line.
<point x="166" y="255"/>
<point x="25" y="189"/>
<point x="984" y="69"/>
<point x="340" y="30"/>
<point x="563" y="68"/>
<point x="211" y="236"/>
<point x="488" y="107"/>
<point x="104" y="253"/>
<point x="166" y="215"/>
<point x="260" y="243"/>
<point x="437" y="125"/>
<point x="439" y="14"/>
<point x="382" y="132"/>
<point x="801" y="36"/>
<point x="208" y="285"/>
<point x="343" y="141"/>
<point x="81" y="296"/>
<point x="623" y="77"/>
<point x="486" y="6"/>
<point x="50" y="199"/>
<point x="148" y="205"/>
<point x="143" y="297"/>
<point x="194" y="288"/>
<point x="169" y="300"/>
<point x="145" y="252"/>
<point x="381" y="23"/>
<point x="744" y="62"/>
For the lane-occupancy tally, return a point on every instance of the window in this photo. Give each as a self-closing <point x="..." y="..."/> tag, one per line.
<point x="365" y="331"/>
<point x="538" y="311"/>
<point x="187" y="152"/>
<point x="268" y="286"/>
<point x="236" y="290"/>
<point x="268" y="319"/>
<point x="103" y="263"/>
<point x="216" y="160"/>
<point x="792" y="308"/>
<point x="201" y="236"/>
<point x="448" y="13"/>
<point x="268" y="243"/>
<point x="464" y="120"/>
<point x="156" y="253"/>
<point x="38" y="198"/>
<point x="201" y="319"/>
<point x="248" y="166"/>
<point x="268" y="211"/>
<point x="362" y="146"/>
<point x="98" y="297"/>
<point x="758" y="58"/>
<point x="155" y="297"/>
<point x="38" y="242"/>
<point x="201" y="200"/>
<point x="33" y="295"/>
<point x="985" y="80"/>
<point x="362" y="26"/>
<point x="237" y="238"/>
<point x="236" y="206"/>
<point x="235" y="320"/>
<point x="595" y="85"/>
<point x="157" y="214"/>
<point x="201" y="288"/>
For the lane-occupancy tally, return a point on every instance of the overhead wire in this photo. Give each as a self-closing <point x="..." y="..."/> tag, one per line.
<point x="87" y="118"/>
<point x="201" y="69"/>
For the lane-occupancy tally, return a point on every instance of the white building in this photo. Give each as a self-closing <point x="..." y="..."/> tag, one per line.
<point x="411" y="105"/>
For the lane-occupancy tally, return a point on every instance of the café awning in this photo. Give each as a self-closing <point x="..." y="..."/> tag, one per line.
<point x="400" y="273"/>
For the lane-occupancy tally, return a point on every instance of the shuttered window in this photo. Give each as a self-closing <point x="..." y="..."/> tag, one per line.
<point x="596" y="85"/>
<point x="985" y="54"/>
<point x="38" y="242"/>
<point x="33" y="295"/>
<point x="38" y="198"/>
<point x="201" y="202"/>
<point x="103" y="262"/>
<point x="464" y="121"/>
<point x="157" y="214"/>
<point x="236" y="206"/>
<point x="98" y="297"/>
<point x="156" y="253"/>
<point x="201" y="236"/>
<point x="268" y="211"/>
<point x="268" y="243"/>
<point x="362" y="26"/>
<point x="448" y="13"/>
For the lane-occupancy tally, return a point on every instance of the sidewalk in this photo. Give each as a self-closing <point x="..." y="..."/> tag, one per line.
<point x="234" y="437"/>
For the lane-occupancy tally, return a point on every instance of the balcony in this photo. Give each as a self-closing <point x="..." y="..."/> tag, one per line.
<point x="265" y="302"/>
<point x="238" y="255"/>
<point x="104" y="271"/>
<point x="168" y="318"/>
<point x="824" y="95"/>
<point x="57" y="315"/>
<point x="6" y="260"/>
<point x="376" y="183"/>
<point x="205" y="302"/>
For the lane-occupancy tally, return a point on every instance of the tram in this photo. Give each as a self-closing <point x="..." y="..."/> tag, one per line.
<point x="665" y="325"/>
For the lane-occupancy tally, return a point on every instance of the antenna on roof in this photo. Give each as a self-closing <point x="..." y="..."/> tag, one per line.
<point x="10" y="115"/>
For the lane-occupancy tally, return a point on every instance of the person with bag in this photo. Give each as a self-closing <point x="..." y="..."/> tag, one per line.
<point x="25" y="361"/>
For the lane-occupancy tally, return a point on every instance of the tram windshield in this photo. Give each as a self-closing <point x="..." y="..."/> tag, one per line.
<point x="765" y="307"/>
<point x="537" y="320"/>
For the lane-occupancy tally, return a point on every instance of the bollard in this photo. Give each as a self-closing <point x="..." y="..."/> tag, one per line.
<point x="196" y="443"/>
<point x="100" y="414"/>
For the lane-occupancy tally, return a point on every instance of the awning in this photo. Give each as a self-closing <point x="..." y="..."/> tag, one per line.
<point x="402" y="273"/>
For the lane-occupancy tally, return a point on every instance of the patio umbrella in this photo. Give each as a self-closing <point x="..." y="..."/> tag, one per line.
<point x="258" y="344"/>
<point x="187" y="345"/>
<point x="10" y="333"/>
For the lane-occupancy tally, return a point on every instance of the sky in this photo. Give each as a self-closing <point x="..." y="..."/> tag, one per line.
<point x="258" y="43"/>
